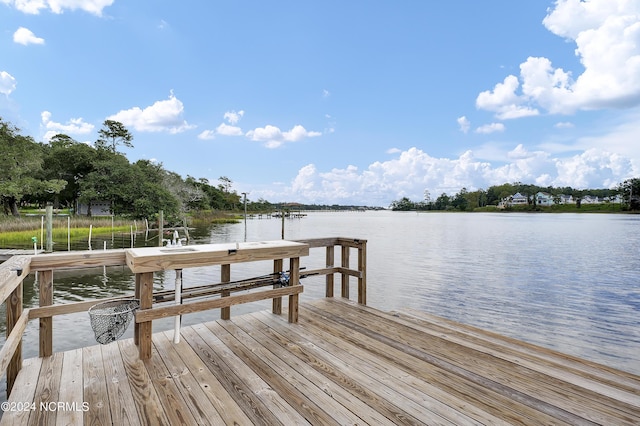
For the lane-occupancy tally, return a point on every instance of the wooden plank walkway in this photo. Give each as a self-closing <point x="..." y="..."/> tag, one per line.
<point x="342" y="363"/>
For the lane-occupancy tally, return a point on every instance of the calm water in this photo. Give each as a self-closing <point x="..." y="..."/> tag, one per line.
<point x="568" y="282"/>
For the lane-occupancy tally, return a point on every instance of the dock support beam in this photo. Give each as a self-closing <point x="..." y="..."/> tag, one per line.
<point x="46" y="324"/>
<point x="294" y="280"/>
<point x="276" y="304"/>
<point x="225" y="277"/>
<point x="143" y="330"/>
<point x="330" y="259"/>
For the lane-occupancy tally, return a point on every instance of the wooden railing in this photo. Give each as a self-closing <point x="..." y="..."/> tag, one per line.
<point x="14" y="271"/>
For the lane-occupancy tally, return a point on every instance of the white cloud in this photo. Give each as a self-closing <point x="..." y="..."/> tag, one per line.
<point x="7" y="83"/>
<point x="490" y="128"/>
<point x="273" y="137"/>
<point x="207" y="135"/>
<point x="464" y="124"/>
<point x="34" y="7"/>
<point x="564" y="125"/>
<point x="606" y="34"/>
<point x="325" y="93"/>
<point x="162" y="116"/>
<point x="394" y="150"/>
<point x="227" y="130"/>
<point x="233" y="117"/>
<point x="75" y="126"/>
<point x="504" y="101"/>
<point x="25" y="36"/>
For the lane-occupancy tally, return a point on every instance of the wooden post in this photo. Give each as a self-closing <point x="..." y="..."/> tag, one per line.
<point x="46" y="324"/>
<point x="49" y="214"/>
<point x="282" y="232"/>
<point x="294" y="279"/>
<point x="329" y="277"/>
<point x="136" y="328"/>
<point x="362" y="268"/>
<point x="145" y="328"/>
<point x="345" y="277"/>
<point x="277" y="302"/>
<point x="225" y="277"/>
<point x="14" y="310"/>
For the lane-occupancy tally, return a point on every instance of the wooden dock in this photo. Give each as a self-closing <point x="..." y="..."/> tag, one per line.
<point x="6" y="254"/>
<point x="342" y="363"/>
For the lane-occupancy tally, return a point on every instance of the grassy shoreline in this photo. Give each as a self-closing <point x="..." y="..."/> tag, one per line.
<point x="20" y="231"/>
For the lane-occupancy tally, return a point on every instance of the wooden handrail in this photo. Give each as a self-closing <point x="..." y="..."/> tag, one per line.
<point x="14" y="270"/>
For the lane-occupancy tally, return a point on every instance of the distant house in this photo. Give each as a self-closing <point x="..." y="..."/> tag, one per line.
<point x="516" y="199"/>
<point x="615" y="199"/>
<point x="98" y="208"/>
<point x="544" y="199"/>
<point x="590" y="199"/>
<point x="566" y="199"/>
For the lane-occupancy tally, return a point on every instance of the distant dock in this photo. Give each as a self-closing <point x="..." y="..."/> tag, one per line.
<point x="5" y="254"/>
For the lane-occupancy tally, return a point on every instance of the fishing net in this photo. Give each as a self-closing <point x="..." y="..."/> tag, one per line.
<point x="109" y="320"/>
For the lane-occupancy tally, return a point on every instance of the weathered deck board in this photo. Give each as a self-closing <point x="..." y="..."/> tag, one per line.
<point x="343" y="363"/>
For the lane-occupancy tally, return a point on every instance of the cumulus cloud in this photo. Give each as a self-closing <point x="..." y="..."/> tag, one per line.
<point x="504" y="102"/>
<point x="413" y="171"/>
<point x="227" y="130"/>
<point x="563" y="125"/>
<point x="606" y="35"/>
<point x="464" y="124"/>
<point x="207" y="135"/>
<point x="233" y="117"/>
<point x="75" y="126"/>
<point x="25" y="36"/>
<point x="34" y="7"/>
<point x="224" y="129"/>
<point x="490" y="128"/>
<point x="7" y="83"/>
<point x="273" y="137"/>
<point x="162" y="116"/>
<point x="394" y="151"/>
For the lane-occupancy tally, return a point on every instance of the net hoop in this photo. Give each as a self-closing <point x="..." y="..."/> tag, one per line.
<point x="110" y="319"/>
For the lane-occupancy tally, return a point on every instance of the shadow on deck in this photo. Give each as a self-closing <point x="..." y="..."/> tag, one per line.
<point x="343" y="363"/>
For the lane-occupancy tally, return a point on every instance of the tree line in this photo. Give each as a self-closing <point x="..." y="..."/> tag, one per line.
<point x="67" y="173"/>
<point x="466" y="200"/>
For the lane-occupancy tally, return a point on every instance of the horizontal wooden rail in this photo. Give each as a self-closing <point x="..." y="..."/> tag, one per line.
<point x="145" y="315"/>
<point x="13" y="341"/>
<point x="78" y="259"/>
<point x="70" y="308"/>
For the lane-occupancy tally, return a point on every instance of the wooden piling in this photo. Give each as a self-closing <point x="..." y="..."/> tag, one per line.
<point x="276" y="304"/>
<point x="345" y="277"/>
<point x="46" y="324"/>
<point x="225" y="277"/>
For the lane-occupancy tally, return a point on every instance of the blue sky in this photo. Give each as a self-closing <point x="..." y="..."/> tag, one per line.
<point x="357" y="102"/>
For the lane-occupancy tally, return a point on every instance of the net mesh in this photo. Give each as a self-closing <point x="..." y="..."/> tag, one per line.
<point x="109" y="320"/>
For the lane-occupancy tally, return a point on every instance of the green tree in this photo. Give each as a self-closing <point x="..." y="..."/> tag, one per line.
<point x="112" y="134"/>
<point x="442" y="202"/>
<point x="404" y="204"/>
<point x="630" y="190"/>
<point x="67" y="159"/>
<point x="460" y="200"/>
<point x="22" y="163"/>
